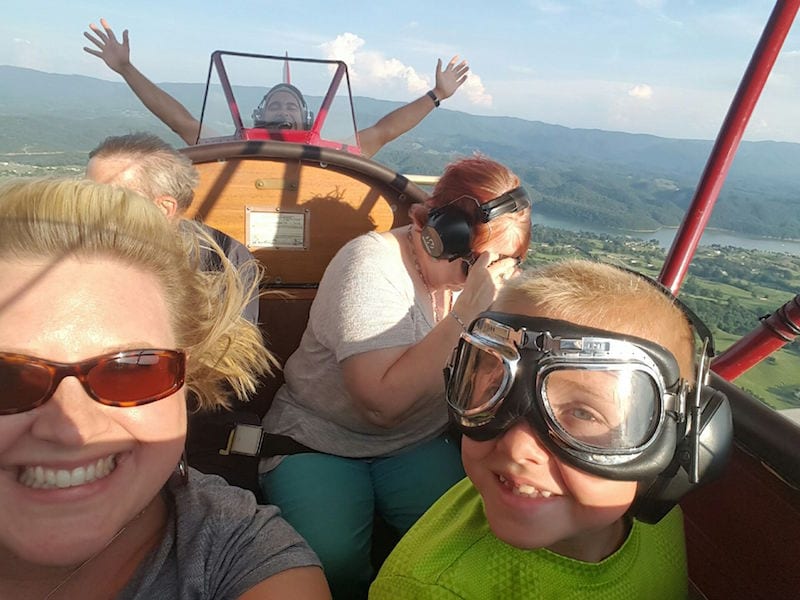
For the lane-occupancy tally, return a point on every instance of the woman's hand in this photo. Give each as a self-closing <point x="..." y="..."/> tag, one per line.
<point x="449" y="79"/>
<point x="485" y="277"/>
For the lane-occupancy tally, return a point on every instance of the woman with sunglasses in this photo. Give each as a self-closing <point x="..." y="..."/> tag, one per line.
<point x="105" y="322"/>
<point x="363" y="392"/>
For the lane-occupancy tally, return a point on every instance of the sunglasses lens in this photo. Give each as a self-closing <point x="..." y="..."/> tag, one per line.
<point x="23" y="384"/>
<point x="606" y="409"/>
<point x="139" y="377"/>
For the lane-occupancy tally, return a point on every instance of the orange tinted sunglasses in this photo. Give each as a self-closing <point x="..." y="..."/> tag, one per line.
<point x="124" y="379"/>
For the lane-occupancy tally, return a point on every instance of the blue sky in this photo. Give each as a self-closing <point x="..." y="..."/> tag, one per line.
<point x="668" y="68"/>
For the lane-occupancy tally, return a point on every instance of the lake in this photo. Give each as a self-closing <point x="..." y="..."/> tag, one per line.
<point x="665" y="236"/>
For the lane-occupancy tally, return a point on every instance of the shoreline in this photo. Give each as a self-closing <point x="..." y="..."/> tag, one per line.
<point x="618" y="231"/>
<point x="730" y="232"/>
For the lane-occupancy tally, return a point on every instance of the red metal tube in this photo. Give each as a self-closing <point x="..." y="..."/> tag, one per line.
<point x="719" y="162"/>
<point x="775" y="330"/>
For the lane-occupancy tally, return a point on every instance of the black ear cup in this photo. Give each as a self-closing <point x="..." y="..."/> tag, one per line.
<point x="449" y="231"/>
<point x="700" y="457"/>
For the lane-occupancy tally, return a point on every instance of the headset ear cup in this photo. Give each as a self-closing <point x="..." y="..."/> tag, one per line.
<point x="448" y="233"/>
<point x="258" y="113"/>
<point x="658" y="496"/>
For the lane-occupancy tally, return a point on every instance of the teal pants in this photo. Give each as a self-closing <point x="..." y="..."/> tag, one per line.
<point x="332" y="501"/>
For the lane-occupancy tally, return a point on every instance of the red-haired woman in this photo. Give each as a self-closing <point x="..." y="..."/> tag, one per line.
<point x="364" y="391"/>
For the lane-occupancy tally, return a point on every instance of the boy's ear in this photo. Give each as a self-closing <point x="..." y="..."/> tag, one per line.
<point x="168" y="205"/>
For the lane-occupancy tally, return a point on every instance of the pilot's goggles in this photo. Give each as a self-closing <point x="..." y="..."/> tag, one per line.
<point x="125" y="379"/>
<point x="596" y="397"/>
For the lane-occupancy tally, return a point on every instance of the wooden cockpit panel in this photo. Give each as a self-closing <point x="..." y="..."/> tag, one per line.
<point x="340" y="196"/>
<point x="344" y="196"/>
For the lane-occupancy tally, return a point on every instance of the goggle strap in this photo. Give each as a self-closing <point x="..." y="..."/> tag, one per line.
<point x="702" y="378"/>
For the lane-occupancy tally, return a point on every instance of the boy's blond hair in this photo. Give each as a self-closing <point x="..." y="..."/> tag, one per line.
<point x="598" y="295"/>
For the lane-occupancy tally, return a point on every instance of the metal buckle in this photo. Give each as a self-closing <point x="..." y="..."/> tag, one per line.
<point x="244" y="439"/>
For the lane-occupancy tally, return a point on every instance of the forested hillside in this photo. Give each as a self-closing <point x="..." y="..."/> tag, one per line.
<point x="607" y="178"/>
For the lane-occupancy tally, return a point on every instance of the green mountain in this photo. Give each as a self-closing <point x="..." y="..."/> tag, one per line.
<point x="630" y="181"/>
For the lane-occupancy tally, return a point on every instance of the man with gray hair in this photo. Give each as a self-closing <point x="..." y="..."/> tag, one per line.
<point x="149" y="166"/>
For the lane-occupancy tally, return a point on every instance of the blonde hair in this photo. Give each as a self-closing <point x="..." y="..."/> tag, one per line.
<point x="59" y="218"/>
<point x="598" y="295"/>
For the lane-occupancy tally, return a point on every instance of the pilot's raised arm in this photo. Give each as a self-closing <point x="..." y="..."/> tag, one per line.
<point x="174" y="115"/>
<point x="117" y="56"/>
<point x="401" y="120"/>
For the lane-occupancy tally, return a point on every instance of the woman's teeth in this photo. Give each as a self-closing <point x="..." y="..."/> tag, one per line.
<point x="39" y="477"/>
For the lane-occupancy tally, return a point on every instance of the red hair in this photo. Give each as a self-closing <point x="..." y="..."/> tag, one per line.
<point x="483" y="179"/>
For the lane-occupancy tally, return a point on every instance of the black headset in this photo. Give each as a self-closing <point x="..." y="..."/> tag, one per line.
<point x="258" y="112"/>
<point x="449" y="231"/>
<point x="703" y="439"/>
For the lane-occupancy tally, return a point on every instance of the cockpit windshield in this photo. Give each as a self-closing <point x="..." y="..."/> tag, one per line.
<point x="262" y="97"/>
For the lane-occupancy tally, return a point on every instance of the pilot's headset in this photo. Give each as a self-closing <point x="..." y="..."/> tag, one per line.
<point x="704" y="437"/>
<point x="258" y="112"/>
<point x="450" y="230"/>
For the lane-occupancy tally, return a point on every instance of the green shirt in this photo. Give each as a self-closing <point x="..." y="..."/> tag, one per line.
<point x="452" y="553"/>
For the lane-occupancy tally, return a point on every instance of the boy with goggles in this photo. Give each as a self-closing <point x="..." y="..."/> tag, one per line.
<point x="584" y="421"/>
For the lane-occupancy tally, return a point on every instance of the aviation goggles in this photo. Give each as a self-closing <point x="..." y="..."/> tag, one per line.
<point x="605" y="402"/>
<point x="125" y="379"/>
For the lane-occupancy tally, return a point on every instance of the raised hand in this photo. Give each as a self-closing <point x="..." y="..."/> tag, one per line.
<point x="115" y="54"/>
<point x="451" y="78"/>
<point x="485" y="278"/>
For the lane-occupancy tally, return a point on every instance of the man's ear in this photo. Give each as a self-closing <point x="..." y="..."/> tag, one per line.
<point x="168" y="205"/>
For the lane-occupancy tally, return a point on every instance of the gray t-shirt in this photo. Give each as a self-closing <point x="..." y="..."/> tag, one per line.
<point x="218" y="544"/>
<point x="365" y="302"/>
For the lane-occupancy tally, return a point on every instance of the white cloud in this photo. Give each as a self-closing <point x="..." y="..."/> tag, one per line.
<point x="25" y="53"/>
<point x="549" y="7"/>
<point x="474" y="92"/>
<point x="603" y="104"/>
<point x="344" y="48"/>
<point x="642" y="91"/>
<point x="521" y="69"/>
<point x="373" y="74"/>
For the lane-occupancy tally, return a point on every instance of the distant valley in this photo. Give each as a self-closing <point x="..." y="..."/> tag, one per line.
<point x="628" y="181"/>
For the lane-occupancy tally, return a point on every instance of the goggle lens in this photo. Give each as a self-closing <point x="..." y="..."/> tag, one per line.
<point x="597" y="403"/>
<point x="604" y="409"/>
<point x="478" y="383"/>
<point x="129" y="378"/>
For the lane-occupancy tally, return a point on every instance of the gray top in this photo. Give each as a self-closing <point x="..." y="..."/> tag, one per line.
<point x="365" y="302"/>
<point x="218" y="543"/>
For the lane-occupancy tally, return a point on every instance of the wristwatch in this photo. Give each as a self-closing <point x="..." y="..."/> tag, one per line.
<point x="433" y="97"/>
